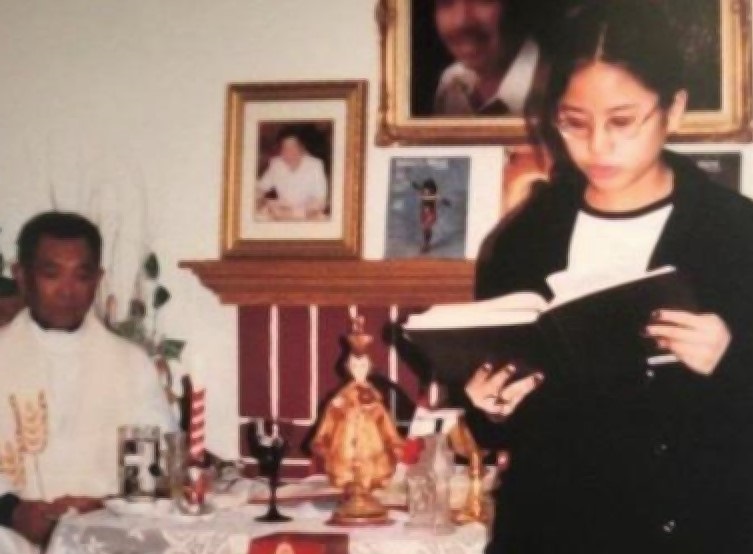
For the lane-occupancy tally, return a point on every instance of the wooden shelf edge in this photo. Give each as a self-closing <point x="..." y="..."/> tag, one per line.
<point x="246" y="281"/>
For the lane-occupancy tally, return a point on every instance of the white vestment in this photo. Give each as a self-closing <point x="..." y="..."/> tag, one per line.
<point x="13" y="543"/>
<point x="62" y="397"/>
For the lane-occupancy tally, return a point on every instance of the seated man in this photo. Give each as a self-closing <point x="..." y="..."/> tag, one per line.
<point x="66" y="384"/>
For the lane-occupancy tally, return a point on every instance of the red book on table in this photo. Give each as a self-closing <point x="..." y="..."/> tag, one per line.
<point x="300" y="543"/>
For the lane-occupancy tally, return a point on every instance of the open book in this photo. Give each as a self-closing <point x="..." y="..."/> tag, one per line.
<point x="596" y="328"/>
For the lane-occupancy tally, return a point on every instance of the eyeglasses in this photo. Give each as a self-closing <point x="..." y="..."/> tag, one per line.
<point x="617" y="127"/>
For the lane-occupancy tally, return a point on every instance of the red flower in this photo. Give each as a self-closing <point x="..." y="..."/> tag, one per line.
<point x="412" y="450"/>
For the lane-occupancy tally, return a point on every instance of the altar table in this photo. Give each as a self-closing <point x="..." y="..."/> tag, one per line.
<point x="232" y="531"/>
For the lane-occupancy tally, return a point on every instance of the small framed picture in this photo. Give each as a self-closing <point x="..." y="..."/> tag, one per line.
<point x="294" y="170"/>
<point x="427" y="207"/>
<point x="724" y="168"/>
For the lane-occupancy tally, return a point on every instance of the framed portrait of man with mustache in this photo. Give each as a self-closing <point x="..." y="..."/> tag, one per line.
<point x="468" y="71"/>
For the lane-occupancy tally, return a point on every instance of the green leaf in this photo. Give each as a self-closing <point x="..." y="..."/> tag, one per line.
<point x="130" y="329"/>
<point x="151" y="348"/>
<point x="2" y="263"/>
<point x="151" y="266"/>
<point x="161" y="296"/>
<point x="137" y="309"/>
<point x="171" y="349"/>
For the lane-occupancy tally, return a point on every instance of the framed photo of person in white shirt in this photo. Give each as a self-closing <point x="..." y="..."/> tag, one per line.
<point x="467" y="71"/>
<point x="294" y="169"/>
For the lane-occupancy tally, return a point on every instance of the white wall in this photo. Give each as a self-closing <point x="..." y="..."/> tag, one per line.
<point x="118" y="107"/>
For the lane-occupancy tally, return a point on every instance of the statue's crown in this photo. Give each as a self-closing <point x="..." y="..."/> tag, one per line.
<point x="358" y="339"/>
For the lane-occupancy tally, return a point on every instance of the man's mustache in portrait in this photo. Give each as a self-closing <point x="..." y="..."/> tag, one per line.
<point x="473" y="33"/>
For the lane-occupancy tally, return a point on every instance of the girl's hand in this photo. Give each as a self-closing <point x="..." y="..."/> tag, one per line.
<point x="698" y="340"/>
<point x="492" y="392"/>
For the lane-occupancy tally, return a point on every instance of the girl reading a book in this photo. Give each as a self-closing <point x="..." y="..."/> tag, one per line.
<point x="611" y="454"/>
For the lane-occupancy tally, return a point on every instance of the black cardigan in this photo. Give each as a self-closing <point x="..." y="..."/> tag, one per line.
<point x="641" y="459"/>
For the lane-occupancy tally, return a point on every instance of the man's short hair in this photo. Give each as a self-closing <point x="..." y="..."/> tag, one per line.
<point x="59" y="225"/>
<point x="292" y="131"/>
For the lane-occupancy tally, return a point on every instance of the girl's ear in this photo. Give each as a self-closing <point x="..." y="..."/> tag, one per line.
<point x="677" y="110"/>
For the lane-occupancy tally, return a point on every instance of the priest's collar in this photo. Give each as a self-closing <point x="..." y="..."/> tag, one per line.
<point x="58" y="339"/>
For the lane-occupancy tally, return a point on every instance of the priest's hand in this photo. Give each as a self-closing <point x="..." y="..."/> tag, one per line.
<point x="35" y="520"/>
<point x="698" y="340"/>
<point x="82" y="504"/>
<point x="494" y="393"/>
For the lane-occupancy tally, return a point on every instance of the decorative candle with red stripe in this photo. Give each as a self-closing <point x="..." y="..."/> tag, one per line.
<point x="197" y="424"/>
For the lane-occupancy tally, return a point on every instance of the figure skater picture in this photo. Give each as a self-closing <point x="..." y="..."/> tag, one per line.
<point x="427" y="208"/>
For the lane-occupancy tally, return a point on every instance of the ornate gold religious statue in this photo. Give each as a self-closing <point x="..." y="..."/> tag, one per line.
<point x="357" y="439"/>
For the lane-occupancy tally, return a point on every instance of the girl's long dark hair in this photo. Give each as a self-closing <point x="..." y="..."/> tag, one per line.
<point x="634" y="35"/>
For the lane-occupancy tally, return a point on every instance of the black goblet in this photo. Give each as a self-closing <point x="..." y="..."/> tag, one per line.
<point x="268" y="447"/>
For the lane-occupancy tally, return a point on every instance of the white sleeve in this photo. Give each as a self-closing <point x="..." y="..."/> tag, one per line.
<point x="13" y="543"/>
<point x="152" y="408"/>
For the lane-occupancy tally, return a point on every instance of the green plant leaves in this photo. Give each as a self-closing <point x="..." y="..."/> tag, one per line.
<point x="131" y="329"/>
<point x="160" y="298"/>
<point x="134" y="328"/>
<point x="171" y="349"/>
<point x="136" y="309"/>
<point x="151" y="266"/>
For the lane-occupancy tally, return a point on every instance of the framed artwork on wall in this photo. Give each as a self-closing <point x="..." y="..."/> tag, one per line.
<point x="724" y="168"/>
<point x="427" y="210"/>
<point x="294" y="169"/>
<point x="427" y="93"/>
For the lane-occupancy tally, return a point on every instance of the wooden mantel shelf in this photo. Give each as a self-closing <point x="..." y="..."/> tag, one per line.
<point x="335" y="282"/>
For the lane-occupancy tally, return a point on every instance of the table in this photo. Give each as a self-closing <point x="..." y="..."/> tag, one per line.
<point x="231" y="531"/>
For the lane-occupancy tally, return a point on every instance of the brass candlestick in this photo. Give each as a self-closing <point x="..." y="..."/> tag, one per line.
<point x="476" y="506"/>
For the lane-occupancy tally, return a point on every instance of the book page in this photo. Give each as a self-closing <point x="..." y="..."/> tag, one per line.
<point x="425" y="421"/>
<point x="568" y="286"/>
<point x="511" y="309"/>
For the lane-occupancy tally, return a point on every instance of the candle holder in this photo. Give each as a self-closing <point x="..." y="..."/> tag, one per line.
<point x="268" y="447"/>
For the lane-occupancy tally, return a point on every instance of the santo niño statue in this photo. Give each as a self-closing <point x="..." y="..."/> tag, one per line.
<point x="357" y="439"/>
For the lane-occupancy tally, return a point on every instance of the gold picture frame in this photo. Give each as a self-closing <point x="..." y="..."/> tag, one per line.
<point x="270" y="206"/>
<point x="404" y="119"/>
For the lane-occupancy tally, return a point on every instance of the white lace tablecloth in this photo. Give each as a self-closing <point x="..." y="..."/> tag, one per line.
<point x="231" y="532"/>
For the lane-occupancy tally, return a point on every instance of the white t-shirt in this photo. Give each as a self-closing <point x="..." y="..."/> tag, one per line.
<point x="607" y="246"/>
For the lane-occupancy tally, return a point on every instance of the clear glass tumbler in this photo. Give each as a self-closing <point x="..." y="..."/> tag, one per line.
<point x="138" y="462"/>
